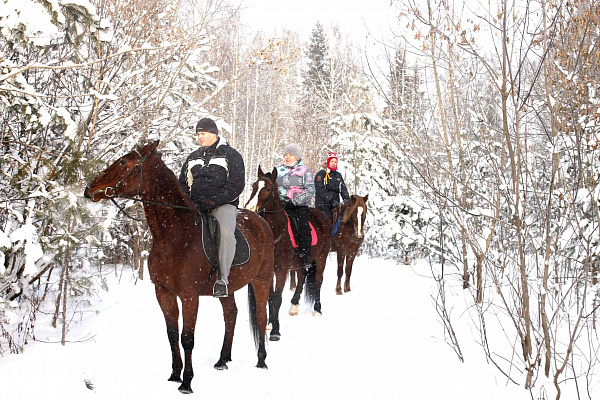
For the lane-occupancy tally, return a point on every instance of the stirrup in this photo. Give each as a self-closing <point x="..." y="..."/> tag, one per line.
<point x="220" y="289"/>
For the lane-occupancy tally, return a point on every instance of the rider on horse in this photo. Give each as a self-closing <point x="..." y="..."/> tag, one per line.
<point x="329" y="185"/>
<point x="296" y="189"/>
<point x="213" y="177"/>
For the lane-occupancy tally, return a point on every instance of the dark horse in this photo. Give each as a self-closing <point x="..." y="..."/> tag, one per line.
<point x="265" y="201"/>
<point x="177" y="264"/>
<point x="349" y="237"/>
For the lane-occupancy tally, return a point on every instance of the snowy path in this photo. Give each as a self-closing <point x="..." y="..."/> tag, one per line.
<point x="365" y="346"/>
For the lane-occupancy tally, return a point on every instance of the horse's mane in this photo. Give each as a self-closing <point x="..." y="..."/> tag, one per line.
<point x="269" y="176"/>
<point x="171" y="179"/>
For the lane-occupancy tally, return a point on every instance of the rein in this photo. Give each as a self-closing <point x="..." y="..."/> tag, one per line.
<point x="138" y="167"/>
<point x="262" y="210"/>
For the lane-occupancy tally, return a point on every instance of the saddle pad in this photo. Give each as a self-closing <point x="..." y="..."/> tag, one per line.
<point x="211" y="245"/>
<point x="336" y="227"/>
<point x="313" y="234"/>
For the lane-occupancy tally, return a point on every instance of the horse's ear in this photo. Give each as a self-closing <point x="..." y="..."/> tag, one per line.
<point x="274" y="174"/>
<point x="260" y="172"/>
<point x="149" y="148"/>
<point x="366" y="197"/>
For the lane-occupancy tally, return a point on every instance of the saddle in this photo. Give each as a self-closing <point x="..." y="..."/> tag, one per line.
<point x="313" y="234"/>
<point x="211" y="237"/>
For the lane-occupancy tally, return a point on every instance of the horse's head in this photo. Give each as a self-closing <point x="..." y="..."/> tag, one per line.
<point x="355" y="211"/>
<point x="121" y="178"/>
<point x="265" y="196"/>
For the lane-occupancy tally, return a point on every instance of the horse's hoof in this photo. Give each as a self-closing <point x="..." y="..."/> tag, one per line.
<point x="274" y="337"/>
<point x="294" y="310"/>
<point x="221" y="365"/>
<point x="262" y="365"/>
<point x="317" y="313"/>
<point x="269" y="326"/>
<point x="338" y="292"/>
<point x="185" y="389"/>
<point x="175" y="379"/>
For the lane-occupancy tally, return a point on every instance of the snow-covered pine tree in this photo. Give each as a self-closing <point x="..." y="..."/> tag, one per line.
<point x="398" y="224"/>
<point x="316" y="96"/>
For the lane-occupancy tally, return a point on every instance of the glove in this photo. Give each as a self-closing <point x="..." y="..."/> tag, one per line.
<point x="206" y="204"/>
<point x="335" y="204"/>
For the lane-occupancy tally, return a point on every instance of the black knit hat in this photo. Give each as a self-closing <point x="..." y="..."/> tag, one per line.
<point x="207" y="125"/>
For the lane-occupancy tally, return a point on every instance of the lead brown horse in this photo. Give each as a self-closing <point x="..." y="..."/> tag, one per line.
<point x="349" y="237"/>
<point x="265" y="201"/>
<point x="177" y="264"/>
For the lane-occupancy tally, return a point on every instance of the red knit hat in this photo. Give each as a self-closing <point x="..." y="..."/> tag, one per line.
<point x="331" y="156"/>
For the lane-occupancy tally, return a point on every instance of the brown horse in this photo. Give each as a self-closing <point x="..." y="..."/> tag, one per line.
<point x="177" y="264"/>
<point x="265" y="201"/>
<point x="349" y="237"/>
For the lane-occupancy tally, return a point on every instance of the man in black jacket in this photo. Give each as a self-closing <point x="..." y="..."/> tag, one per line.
<point x="213" y="177"/>
<point x="329" y="185"/>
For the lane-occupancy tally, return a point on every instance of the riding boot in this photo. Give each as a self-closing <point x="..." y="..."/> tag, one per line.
<point x="220" y="287"/>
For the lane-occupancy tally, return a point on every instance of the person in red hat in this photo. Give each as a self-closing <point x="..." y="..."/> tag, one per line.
<point x="329" y="186"/>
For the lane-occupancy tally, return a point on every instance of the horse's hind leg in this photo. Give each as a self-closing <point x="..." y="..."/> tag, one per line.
<point x="170" y="309"/>
<point x="340" y="271"/>
<point x="260" y="291"/>
<point x="230" y="312"/>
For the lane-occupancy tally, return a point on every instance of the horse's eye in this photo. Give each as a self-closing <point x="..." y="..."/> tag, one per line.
<point x="269" y="189"/>
<point x="123" y="162"/>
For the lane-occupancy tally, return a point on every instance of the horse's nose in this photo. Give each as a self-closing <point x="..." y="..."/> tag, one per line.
<point x="86" y="193"/>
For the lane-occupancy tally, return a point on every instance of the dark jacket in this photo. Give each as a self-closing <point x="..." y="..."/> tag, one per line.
<point x="213" y="174"/>
<point x="328" y="193"/>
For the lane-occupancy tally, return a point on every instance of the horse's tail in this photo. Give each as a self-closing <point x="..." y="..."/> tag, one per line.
<point x="252" y="309"/>
<point x="310" y="286"/>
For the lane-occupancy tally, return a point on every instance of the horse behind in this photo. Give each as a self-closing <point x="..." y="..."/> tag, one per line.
<point x="265" y="201"/>
<point x="177" y="263"/>
<point x="349" y="237"/>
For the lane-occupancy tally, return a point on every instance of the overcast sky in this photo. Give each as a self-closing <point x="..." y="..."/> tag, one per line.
<point x="354" y="17"/>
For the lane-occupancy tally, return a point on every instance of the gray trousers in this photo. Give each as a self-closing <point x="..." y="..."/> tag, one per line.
<point x="226" y="215"/>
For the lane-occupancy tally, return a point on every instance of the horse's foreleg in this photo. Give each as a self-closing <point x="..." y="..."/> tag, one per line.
<point x="349" y="262"/>
<point x="318" y="282"/>
<point x="340" y="271"/>
<point x="189" y="308"/>
<point x="275" y="304"/>
<point x="229" y="315"/>
<point x="170" y="309"/>
<point x="296" y="298"/>
<point x="292" y="281"/>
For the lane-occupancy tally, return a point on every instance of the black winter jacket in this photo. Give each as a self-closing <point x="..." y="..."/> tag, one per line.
<point x="326" y="194"/>
<point x="214" y="173"/>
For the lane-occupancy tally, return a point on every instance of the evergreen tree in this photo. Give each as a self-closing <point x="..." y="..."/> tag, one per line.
<point x="316" y="101"/>
<point x="316" y="78"/>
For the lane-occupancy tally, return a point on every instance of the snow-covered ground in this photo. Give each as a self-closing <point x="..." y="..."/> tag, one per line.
<point x="382" y="340"/>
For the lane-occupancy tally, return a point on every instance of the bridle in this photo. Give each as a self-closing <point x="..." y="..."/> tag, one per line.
<point x="352" y="217"/>
<point x="111" y="192"/>
<point x="271" y="201"/>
